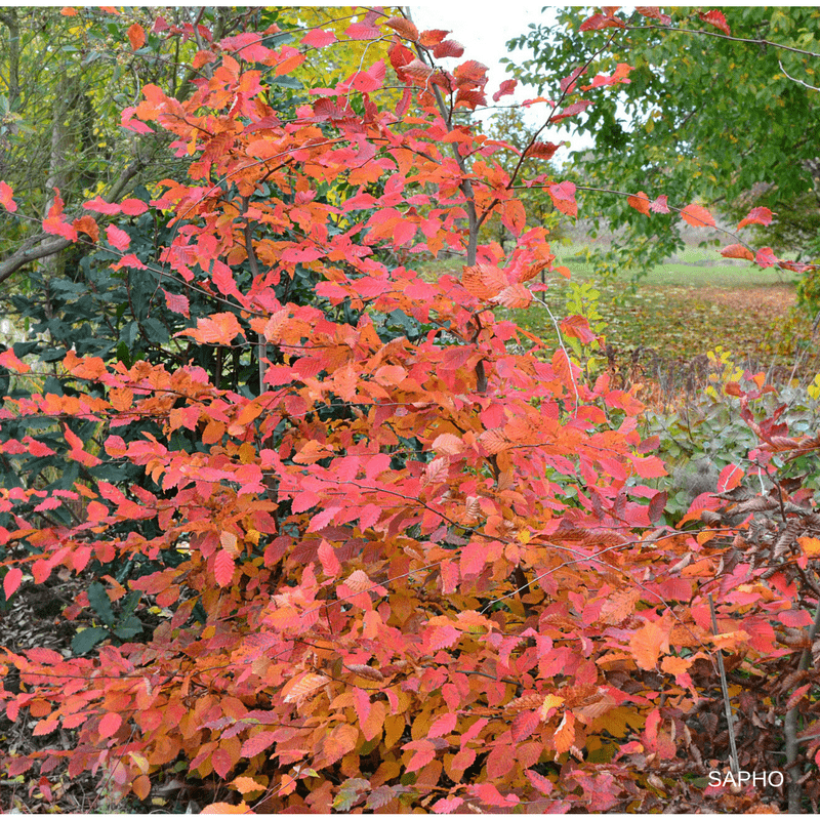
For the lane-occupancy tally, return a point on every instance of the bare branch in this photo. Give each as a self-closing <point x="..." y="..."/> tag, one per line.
<point x="795" y="80"/>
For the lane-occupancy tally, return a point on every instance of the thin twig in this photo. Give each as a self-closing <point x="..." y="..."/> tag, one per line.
<point x="794" y="79"/>
<point x="724" y="686"/>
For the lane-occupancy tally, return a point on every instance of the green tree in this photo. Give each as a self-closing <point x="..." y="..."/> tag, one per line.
<point x="717" y="110"/>
<point x="65" y="76"/>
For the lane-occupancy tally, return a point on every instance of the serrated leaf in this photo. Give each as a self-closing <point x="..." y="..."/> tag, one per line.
<point x="224" y="568"/>
<point x="697" y="216"/>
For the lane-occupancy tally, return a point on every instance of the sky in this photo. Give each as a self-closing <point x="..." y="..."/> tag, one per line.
<point x="484" y="37"/>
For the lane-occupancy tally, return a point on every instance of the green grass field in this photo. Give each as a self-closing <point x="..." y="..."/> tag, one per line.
<point x="692" y="267"/>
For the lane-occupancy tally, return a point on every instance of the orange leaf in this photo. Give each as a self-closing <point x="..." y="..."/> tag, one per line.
<point x="339" y="742"/>
<point x="6" y="200"/>
<point x="245" y="785"/>
<point x="810" y="546"/>
<point x="640" y="203"/>
<point x="136" y="36"/>
<point x="404" y="28"/>
<point x="564" y="735"/>
<point x="514" y="297"/>
<point x="483" y="281"/>
<point x="698" y="216"/>
<point x="757" y="216"/>
<point x="142" y="787"/>
<point x="10" y="361"/>
<point x="513" y="216"/>
<point x="227" y="808"/>
<point x="737" y="252"/>
<point x="304" y="686"/>
<point x="647" y="642"/>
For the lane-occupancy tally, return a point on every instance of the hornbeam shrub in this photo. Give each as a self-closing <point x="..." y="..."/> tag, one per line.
<point x="418" y="567"/>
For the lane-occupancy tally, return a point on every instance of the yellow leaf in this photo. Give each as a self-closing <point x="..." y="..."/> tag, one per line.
<point x="550" y="702"/>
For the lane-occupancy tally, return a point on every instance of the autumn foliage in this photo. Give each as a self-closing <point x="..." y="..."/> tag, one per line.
<point x="420" y="568"/>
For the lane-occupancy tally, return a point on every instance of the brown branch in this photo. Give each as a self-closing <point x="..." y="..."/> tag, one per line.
<point x="44" y="244"/>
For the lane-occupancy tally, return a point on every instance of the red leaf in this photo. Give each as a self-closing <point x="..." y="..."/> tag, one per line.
<point x="257" y="744"/>
<point x="134" y="207"/>
<point x="330" y="563"/>
<point x="6" y="200"/>
<point x="224" y="568"/>
<point x="524" y="724"/>
<point x="12" y="581"/>
<point x="448" y="48"/>
<point x="717" y="19"/>
<point x="110" y="724"/>
<point x="103" y="207"/>
<point x="508" y="87"/>
<point x="697" y="216"/>
<point x="654" y="13"/>
<point x="362" y="31"/>
<point x="177" y="303"/>
<point x="117" y="237"/>
<point x="540" y="782"/>
<point x="757" y="216"/>
<point x="489" y="794"/>
<point x="222" y="762"/>
<point x="659" y="206"/>
<point x="44" y="655"/>
<point x="443" y="725"/>
<point x="447" y="805"/>
<point x="542" y="150"/>
<point x="318" y="38"/>
<point x="136" y="36"/>
<point x="578" y="327"/>
<point x="765" y="258"/>
<point x="599" y="21"/>
<point x="657" y="505"/>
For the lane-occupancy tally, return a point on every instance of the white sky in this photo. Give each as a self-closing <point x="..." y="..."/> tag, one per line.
<point x="484" y="37"/>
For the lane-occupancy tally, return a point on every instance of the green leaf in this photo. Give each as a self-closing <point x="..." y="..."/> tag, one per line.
<point x="101" y="603"/>
<point x="86" y="640"/>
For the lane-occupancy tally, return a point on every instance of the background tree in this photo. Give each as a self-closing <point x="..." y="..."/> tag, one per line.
<point x="726" y="119"/>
